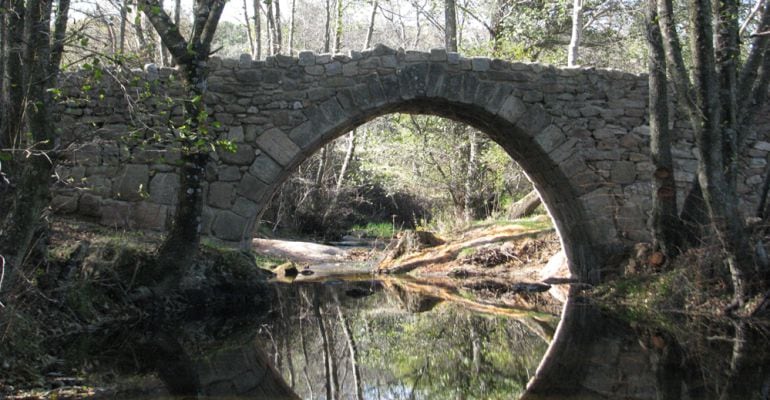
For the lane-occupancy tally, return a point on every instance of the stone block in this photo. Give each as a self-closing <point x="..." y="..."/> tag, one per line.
<point x="62" y="204"/>
<point x="116" y="214"/>
<point x="252" y="188"/>
<point x="243" y="155"/>
<point x="279" y="146"/>
<point x="149" y="215"/>
<point x="623" y="172"/>
<point x="228" y="226"/>
<point x="413" y="80"/>
<point x="534" y="120"/>
<point x="132" y="182"/>
<point x="265" y="168"/>
<point x="229" y="173"/>
<point x="438" y="54"/>
<point x="512" y="109"/>
<point x="235" y="134"/>
<point x="245" y="207"/>
<point x="90" y="205"/>
<point x="221" y="194"/>
<point x="333" y="68"/>
<point x="164" y="188"/>
<point x="550" y="137"/>
<point x="480" y="64"/>
<point x="306" y="58"/>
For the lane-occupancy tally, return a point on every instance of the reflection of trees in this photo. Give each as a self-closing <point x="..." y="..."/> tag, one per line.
<point x="653" y="356"/>
<point x="373" y="348"/>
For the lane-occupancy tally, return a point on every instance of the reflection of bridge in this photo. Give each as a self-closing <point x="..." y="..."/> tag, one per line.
<point x="580" y="134"/>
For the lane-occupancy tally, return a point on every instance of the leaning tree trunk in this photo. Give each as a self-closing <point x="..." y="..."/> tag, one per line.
<point x="525" y="206"/>
<point x="710" y="137"/>
<point x="370" y="29"/>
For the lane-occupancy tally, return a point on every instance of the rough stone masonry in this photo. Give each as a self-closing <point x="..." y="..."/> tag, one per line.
<point x="581" y="135"/>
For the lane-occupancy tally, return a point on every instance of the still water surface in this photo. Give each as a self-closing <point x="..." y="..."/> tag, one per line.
<point x="368" y="339"/>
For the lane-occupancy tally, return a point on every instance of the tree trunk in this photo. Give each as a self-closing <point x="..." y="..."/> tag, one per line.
<point x="525" y="206"/>
<point x="353" y="350"/>
<point x="470" y="177"/>
<point x="122" y="31"/>
<point x="270" y="29"/>
<point x="338" y="27"/>
<point x="32" y="193"/>
<point x="257" y="31"/>
<point x="327" y="27"/>
<point x="710" y="139"/>
<point x="180" y="246"/>
<point x="370" y="29"/>
<point x="13" y="80"/>
<point x="325" y="343"/>
<point x="306" y="359"/>
<point x="450" y="25"/>
<point x="278" y="38"/>
<point x="341" y="177"/>
<point x="291" y="27"/>
<point x="666" y="227"/>
<point x="248" y="27"/>
<point x="577" y="33"/>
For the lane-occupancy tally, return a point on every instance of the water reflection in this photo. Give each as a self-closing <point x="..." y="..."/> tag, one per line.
<point x="392" y="340"/>
<point x="332" y="341"/>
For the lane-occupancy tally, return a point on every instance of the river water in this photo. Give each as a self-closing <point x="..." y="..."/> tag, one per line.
<point x="381" y="339"/>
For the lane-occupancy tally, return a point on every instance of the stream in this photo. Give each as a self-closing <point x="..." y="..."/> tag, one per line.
<point x="399" y="338"/>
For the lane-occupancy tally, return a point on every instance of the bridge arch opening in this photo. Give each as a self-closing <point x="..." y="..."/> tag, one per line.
<point x="518" y="140"/>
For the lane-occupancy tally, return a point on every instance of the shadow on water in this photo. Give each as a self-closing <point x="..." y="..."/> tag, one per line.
<point x="391" y="339"/>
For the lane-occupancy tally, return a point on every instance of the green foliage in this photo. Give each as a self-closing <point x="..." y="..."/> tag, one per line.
<point x="374" y="230"/>
<point x="433" y="354"/>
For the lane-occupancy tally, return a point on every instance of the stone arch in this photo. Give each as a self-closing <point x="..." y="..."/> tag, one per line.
<point x="524" y="130"/>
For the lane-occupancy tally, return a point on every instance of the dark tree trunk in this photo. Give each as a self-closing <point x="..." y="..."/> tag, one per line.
<point x="327" y="27"/>
<point x="370" y="29"/>
<point x="181" y="244"/>
<point x="31" y="196"/>
<point x="13" y="85"/>
<point x="666" y="227"/>
<point x="353" y="352"/>
<point x="450" y="25"/>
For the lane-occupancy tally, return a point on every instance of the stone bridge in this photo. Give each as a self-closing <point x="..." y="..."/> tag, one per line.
<point x="580" y="134"/>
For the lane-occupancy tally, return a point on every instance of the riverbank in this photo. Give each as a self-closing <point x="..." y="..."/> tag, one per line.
<point x="94" y="279"/>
